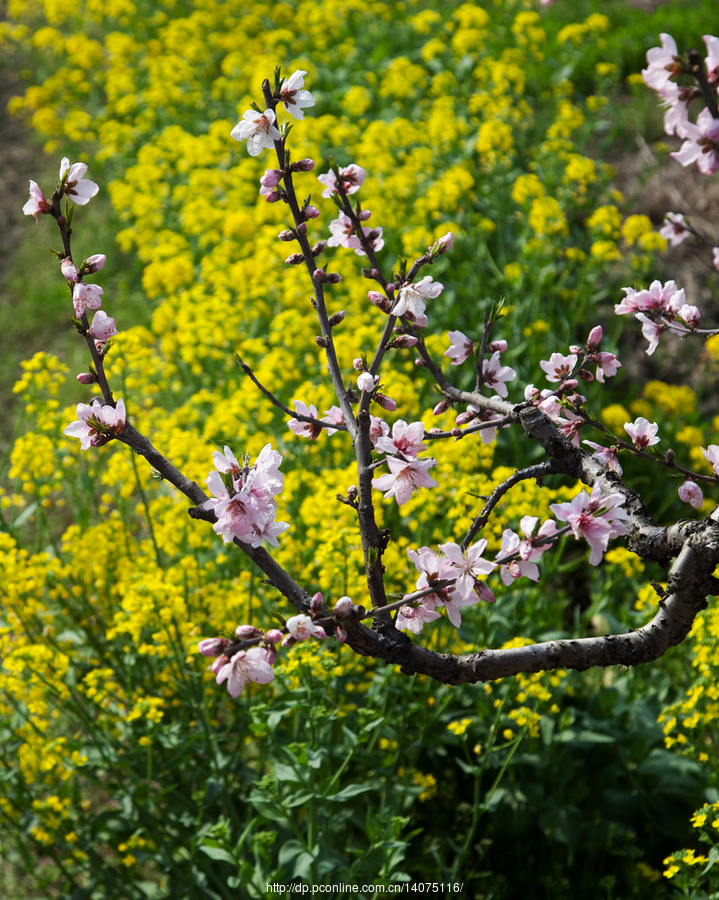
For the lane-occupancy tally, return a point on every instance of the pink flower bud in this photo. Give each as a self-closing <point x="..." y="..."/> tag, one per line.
<point x="497" y="347"/>
<point x="441" y="407"/>
<point x="304" y="165"/>
<point x="337" y="317"/>
<point x="247" y="632"/>
<point x="464" y="418"/>
<point x="574" y="348"/>
<point x="690" y="492"/>
<point x="405" y="341"/>
<point x="319" y="633"/>
<point x="288" y="641"/>
<point x="391" y="286"/>
<point x="372" y="274"/>
<point x="68" y="270"/>
<point x="585" y="375"/>
<point x="319" y="247"/>
<point x="294" y="259"/>
<point x="302" y="228"/>
<point x="442" y="245"/>
<point x="311" y="212"/>
<point x="420" y="363"/>
<point x="340" y="634"/>
<point x="274" y="636"/>
<point x="364" y="215"/>
<point x="316" y="603"/>
<point x="352" y="492"/>
<point x="435" y="431"/>
<point x="87" y="378"/>
<point x="320" y="341"/>
<point x="271" y="178"/>
<point x="570" y="384"/>
<point x="385" y="402"/>
<point x="366" y="382"/>
<point x="94" y="263"/>
<point x="221" y="661"/>
<point x="287" y="235"/>
<point x="342" y="607"/>
<point x="457" y="432"/>
<point x="595" y="336"/>
<point x="273" y="196"/>
<point x="103" y="327"/>
<point x="319" y="276"/>
<point x="380" y="301"/>
<point x="212" y="646"/>
<point x="334" y="278"/>
<point x="271" y="655"/>
<point x="358" y="365"/>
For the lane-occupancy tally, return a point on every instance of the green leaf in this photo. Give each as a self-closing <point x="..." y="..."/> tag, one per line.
<point x="218" y="853"/>
<point x="352" y="790"/>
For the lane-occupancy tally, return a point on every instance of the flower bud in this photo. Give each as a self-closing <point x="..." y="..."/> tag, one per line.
<point x="670" y="454"/>
<point x="441" y="407"/>
<point x="89" y="378"/>
<point x="371" y="273"/>
<point x="435" y="431"/>
<point x="271" y="178"/>
<point x="464" y="418"/>
<point x="287" y="235"/>
<point x="310" y="212"/>
<point x="319" y="247"/>
<point x="212" y="646"/>
<point x="366" y="382"/>
<point x="358" y="365"/>
<point x="585" y="375"/>
<point x="273" y="636"/>
<point x="443" y="244"/>
<point x="385" y="402"/>
<point x="380" y="301"/>
<point x="316" y="603"/>
<point x="302" y="228"/>
<point x="334" y="278"/>
<point x="273" y="196"/>
<point x="319" y="633"/>
<point x="340" y="634"/>
<point x="304" y="165"/>
<point x="247" y="632"/>
<point x="94" y="263"/>
<point x="575" y="349"/>
<point x="320" y="341"/>
<point x="221" y="661"/>
<point x="595" y="336"/>
<point x="288" y="641"/>
<point x="352" y="492"/>
<point x="496" y="346"/>
<point x="391" y="286"/>
<point x="457" y="432"/>
<point x="570" y="384"/>
<point x="364" y="215"/>
<point x="294" y="259"/>
<point x="420" y="363"/>
<point x="405" y="341"/>
<point x="271" y="655"/>
<point x="68" y="270"/>
<point x="319" y="276"/>
<point x="337" y="317"/>
<point x="342" y="607"/>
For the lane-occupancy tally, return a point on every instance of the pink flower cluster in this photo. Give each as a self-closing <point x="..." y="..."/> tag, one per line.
<point x="351" y="178"/>
<point x="528" y="549"/>
<point x="462" y="570"/>
<point x="406" y="472"/>
<point x="661" y="308"/>
<point x="701" y="143"/>
<point x="243" y="497"/>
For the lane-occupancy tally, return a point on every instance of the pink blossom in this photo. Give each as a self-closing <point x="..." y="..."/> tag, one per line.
<point x="642" y="432"/>
<point x="469" y="564"/>
<point x="269" y="182"/>
<point x="86" y="296"/>
<point x="406" y="440"/>
<point x="292" y="95"/>
<point x="412" y="300"/>
<point x="596" y="518"/>
<point x="414" y="618"/>
<point x="494" y="374"/>
<point x="305" y="429"/>
<point x="701" y="145"/>
<point x="661" y="63"/>
<point x="404" y="477"/>
<point x="351" y="178"/>
<point x="460" y="347"/>
<point x="343" y="607"/>
<point x="715" y="255"/>
<point x="434" y="568"/>
<point x="37" y="204"/>
<point x="302" y="627"/>
<point x="97" y="424"/>
<point x="342" y="230"/>
<point x="258" y="129"/>
<point x="651" y="331"/>
<point x="691" y="493"/>
<point x="674" y="230"/>
<point x="246" y="665"/>
<point x="385" y="402"/>
<point x="514" y="568"/>
<point x="607" y="456"/>
<point x="531" y="547"/>
<point x="77" y="189"/>
<point x="607" y="365"/>
<point x="711" y="454"/>
<point x="558" y="367"/>
<point x="378" y="428"/>
<point x="103" y="326"/>
<point x="676" y="101"/>
<point x="335" y="416"/>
